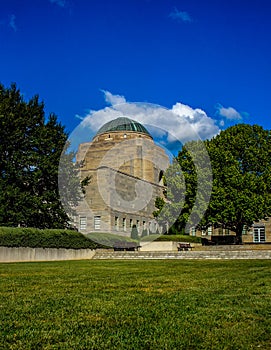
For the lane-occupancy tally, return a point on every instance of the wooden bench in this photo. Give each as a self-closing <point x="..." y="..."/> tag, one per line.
<point x="184" y="246"/>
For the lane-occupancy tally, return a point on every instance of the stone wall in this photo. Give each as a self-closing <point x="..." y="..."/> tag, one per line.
<point x="43" y="254"/>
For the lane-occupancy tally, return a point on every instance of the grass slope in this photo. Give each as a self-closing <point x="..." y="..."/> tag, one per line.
<point x="136" y="305"/>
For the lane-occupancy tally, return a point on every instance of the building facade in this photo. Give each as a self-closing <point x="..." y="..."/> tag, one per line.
<point x="259" y="232"/>
<point x="126" y="169"/>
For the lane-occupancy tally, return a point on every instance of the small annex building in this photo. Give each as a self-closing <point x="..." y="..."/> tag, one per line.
<point x="258" y="233"/>
<point x="126" y="169"/>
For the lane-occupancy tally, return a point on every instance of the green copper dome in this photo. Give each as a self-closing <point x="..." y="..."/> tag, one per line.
<point x="123" y="124"/>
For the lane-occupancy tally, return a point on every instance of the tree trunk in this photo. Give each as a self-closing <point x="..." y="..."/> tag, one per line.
<point x="239" y="231"/>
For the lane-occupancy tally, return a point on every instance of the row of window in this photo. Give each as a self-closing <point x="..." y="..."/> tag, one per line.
<point x="258" y="233"/>
<point x="97" y="223"/>
<point x="131" y="222"/>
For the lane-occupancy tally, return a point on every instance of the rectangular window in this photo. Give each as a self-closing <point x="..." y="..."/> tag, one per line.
<point x="131" y="223"/>
<point x="97" y="222"/>
<point x="259" y="234"/>
<point x="116" y="223"/>
<point x="144" y="225"/>
<point x="124" y="224"/>
<point x="210" y="231"/>
<point x="193" y="231"/>
<point x="83" y="222"/>
<point x="227" y="231"/>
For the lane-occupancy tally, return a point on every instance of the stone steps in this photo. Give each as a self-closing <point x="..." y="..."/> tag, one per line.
<point x="210" y="254"/>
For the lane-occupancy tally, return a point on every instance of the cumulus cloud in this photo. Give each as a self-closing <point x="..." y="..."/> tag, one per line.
<point x="12" y="23"/>
<point x="113" y="99"/>
<point x="229" y="113"/>
<point x="61" y="3"/>
<point x="180" y="123"/>
<point x="180" y="15"/>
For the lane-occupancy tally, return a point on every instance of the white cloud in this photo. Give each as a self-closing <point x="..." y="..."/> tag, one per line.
<point x="113" y="99"/>
<point x="181" y="122"/>
<point x="229" y="113"/>
<point x="180" y="15"/>
<point x="12" y="23"/>
<point x="61" y="3"/>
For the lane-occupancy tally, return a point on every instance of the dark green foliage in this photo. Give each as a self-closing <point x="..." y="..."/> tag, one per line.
<point x="178" y="238"/>
<point x="46" y="238"/>
<point x="30" y="150"/>
<point x="241" y="163"/>
<point x="144" y="233"/>
<point x="189" y="183"/>
<point x="228" y="187"/>
<point x="134" y="233"/>
<point x="107" y="239"/>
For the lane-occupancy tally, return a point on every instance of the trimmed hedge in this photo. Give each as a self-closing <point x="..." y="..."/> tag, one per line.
<point x="179" y="238"/>
<point x="46" y="238"/>
<point x="108" y="239"/>
<point x="174" y="238"/>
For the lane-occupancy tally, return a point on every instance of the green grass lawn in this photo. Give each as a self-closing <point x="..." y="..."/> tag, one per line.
<point x="140" y="304"/>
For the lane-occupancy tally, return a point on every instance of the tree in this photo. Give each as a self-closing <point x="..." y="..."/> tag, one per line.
<point x="189" y="183"/>
<point x="30" y="150"/>
<point x="134" y="233"/>
<point x="241" y="164"/>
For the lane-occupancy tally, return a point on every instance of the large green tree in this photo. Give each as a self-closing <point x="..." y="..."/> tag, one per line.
<point x="241" y="165"/>
<point x="189" y="184"/>
<point x="30" y="150"/>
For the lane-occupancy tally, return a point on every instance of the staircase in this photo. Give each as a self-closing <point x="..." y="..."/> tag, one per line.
<point x="204" y="254"/>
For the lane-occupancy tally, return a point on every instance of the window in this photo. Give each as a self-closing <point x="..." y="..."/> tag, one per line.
<point x="220" y="231"/>
<point x="203" y="232"/>
<point x="144" y="225"/>
<point x="116" y="223"/>
<point x="97" y="222"/>
<point x="124" y="224"/>
<point x="131" y="223"/>
<point x="83" y="222"/>
<point x="193" y="231"/>
<point x="244" y="231"/>
<point x="259" y="234"/>
<point x="210" y="231"/>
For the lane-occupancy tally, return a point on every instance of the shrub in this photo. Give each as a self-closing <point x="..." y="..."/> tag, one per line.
<point x="107" y="239"/>
<point x="179" y="238"/>
<point x="46" y="238"/>
<point x="144" y="233"/>
<point x="134" y="233"/>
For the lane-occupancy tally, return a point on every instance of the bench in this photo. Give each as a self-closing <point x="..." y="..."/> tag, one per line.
<point x="184" y="246"/>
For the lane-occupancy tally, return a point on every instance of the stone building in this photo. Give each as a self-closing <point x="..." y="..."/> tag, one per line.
<point x="126" y="169"/>
<point x="259" y="232"/>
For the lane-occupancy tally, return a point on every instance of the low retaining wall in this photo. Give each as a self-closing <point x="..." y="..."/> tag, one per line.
<point x="43" y="254"/>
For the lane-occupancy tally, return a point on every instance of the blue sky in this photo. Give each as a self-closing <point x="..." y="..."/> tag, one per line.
<point x="207" y="60"/>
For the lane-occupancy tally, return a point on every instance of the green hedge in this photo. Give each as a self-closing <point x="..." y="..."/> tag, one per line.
<point x="179" y="238"/>
<point x="174" y="238"/>
<point x="36" y="238"/>
<point x="108" y="239"/>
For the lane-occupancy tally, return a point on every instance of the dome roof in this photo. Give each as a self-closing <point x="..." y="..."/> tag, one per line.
<point x="123" y="124"/>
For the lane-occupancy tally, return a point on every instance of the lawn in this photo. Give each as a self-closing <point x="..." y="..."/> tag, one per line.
<point x="169" y="304"/>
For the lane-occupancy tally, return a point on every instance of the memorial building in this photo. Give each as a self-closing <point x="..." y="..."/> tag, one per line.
<point x="126" y="169"/>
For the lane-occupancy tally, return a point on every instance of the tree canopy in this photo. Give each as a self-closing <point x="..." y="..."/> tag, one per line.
<point x="30" y="150"/>
<point x="231" y="189"/>
<point x="241" y="166"/>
